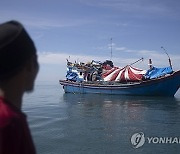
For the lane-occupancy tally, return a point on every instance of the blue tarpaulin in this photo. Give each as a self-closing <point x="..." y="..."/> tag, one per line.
<point x="157" y="72"/>
<point x="72" y="76"/>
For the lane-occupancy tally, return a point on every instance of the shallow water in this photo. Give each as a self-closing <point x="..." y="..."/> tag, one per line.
<point x="90" y="123"/>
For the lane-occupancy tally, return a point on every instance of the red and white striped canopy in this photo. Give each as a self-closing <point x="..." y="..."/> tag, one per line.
<point x="127" y="73"/>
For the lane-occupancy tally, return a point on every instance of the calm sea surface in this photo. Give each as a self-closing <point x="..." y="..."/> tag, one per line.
<point x="101" y="124"/>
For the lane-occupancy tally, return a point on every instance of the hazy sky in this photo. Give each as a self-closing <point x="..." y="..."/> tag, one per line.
<point x="82" y="29"/>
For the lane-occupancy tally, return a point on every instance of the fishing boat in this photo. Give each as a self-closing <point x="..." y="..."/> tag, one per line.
<point x="104" y="78"/>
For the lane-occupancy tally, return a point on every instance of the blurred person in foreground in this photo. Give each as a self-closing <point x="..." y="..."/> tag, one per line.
<point x="18" y="70"/>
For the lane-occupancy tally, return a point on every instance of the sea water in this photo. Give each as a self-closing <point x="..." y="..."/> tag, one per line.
<point x="65" y="123"/>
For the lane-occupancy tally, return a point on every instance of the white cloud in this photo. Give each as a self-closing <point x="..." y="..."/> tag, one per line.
<point x="60" y="58"/>
<point x="40" y="21"/>
<point x="121" y="49"/>
<point x="159" y="59"/>
<point x="50" y="23"/>
<point x="159" y="8"/>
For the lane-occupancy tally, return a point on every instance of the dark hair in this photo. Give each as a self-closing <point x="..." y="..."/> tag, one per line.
<point x="16" y="47"/>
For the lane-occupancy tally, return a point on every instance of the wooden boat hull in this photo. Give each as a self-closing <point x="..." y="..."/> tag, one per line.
<point x="164" y="86"/>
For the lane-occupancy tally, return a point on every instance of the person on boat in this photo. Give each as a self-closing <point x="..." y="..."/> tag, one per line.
<point x="18" y="70"/>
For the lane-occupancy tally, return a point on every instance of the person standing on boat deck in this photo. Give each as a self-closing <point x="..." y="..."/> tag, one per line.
<point x="18" y="70"/>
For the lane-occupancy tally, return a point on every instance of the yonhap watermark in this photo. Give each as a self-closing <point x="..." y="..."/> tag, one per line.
<point x="139" y="139"/>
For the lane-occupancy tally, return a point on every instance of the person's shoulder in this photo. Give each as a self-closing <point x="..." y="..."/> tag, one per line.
<point x="8" y="114"/>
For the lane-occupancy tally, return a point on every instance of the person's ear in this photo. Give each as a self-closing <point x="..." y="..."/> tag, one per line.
<point x="32" y="64"/>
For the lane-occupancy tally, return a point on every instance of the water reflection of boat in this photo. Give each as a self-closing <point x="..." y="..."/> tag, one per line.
<point x="123" y="100"/>
<point x="104" y="78"/>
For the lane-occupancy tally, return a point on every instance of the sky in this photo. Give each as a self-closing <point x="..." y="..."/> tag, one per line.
<point x="81" y="30"/>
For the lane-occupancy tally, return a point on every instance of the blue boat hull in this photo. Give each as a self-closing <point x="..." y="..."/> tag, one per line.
<point x="164" y="86"/>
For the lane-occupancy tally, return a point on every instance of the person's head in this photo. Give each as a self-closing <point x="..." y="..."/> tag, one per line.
<point x="17" y="55"/>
